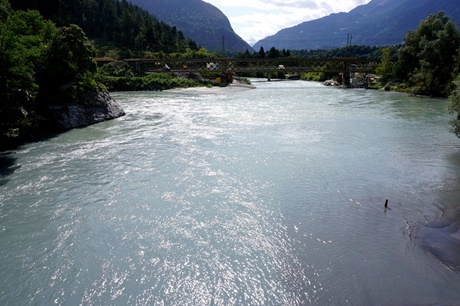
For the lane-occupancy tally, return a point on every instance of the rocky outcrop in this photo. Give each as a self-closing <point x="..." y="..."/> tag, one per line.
<point x="331" y="83"/>
<point x="90" y="108"/>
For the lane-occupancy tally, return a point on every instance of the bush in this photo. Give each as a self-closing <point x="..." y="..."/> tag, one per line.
<point x="116" y="69"/>
<point x="157" y="81"/>
<point x="454" y="107"/>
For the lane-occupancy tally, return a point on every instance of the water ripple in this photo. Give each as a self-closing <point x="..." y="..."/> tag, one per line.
<point x="266" y="197"/>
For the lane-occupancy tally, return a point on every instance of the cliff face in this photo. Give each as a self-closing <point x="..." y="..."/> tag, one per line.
<point x="89" y="108"/>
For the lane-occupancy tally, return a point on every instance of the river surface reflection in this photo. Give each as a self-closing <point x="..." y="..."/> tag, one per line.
<point x="271" y="196"/>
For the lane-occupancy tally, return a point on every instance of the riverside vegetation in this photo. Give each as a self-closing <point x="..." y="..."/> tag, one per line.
<point x="48" y="62"/>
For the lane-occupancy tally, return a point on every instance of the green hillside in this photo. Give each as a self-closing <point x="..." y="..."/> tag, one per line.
<point x="113" y="22"/>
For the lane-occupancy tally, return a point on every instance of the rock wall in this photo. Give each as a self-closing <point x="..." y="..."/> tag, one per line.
<point x="90" y="108"/>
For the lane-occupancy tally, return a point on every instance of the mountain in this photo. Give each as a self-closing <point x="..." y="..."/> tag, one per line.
<point x="199" y="20"/>
<point x="378" y="23"/>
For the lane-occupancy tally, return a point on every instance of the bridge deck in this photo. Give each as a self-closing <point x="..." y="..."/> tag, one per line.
<point x="253" y="65"/>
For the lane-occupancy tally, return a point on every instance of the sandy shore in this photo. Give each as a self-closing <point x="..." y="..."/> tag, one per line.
<point x="215" y="89"/>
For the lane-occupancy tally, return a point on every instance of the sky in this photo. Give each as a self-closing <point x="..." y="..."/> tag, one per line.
<point x="254" y="20"/>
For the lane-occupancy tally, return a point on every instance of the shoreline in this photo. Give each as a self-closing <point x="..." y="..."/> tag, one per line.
<point x="214" y="89"/>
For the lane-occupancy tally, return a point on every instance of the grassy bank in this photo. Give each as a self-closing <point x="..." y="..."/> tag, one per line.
<point x="149" y="82"/>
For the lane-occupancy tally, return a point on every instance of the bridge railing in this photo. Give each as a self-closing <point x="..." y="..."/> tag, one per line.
<point x="254" y="65"/>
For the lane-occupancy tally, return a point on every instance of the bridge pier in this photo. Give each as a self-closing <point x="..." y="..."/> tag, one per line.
<point x="346" y="80"/>
<point x="136" y="66"/>
<point x="223" y="79"/>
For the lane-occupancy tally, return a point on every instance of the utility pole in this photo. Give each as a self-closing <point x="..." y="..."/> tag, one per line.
<point x="223" y="44"/>
<point x="349" y="39"/>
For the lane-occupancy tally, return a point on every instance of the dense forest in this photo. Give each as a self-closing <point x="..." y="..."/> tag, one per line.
<point x="41" y="65"/>
<point x="110" y="21"/>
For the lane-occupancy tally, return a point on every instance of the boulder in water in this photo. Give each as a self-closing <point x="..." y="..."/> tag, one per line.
<point x="89" y="108"/>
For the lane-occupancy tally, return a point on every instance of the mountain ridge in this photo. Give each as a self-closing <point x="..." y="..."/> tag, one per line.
<point x="199" y="20"/>
<point x="378" y="23"/>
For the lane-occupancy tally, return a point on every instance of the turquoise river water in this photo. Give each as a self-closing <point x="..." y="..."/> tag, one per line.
<point x="269" y="196"/>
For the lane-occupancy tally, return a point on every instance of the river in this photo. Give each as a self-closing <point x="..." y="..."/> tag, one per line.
<point x="270" y="196"/>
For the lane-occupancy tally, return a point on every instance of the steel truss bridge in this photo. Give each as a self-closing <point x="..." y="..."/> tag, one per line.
<point x="267" y="65"/>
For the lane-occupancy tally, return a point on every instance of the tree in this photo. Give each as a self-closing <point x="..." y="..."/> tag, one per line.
<point x="428" y="55"/>
<point x="454" y="107"/>
<point x="385" y="68"/>
<point x="261" y="52"/>
<point x="24" y="37"/>
<point x="5" y="9"/>
<point x="272" y="53"/>
<point x="108" y="16"/>
<point x="70" y="11"/>
<point x="69" y="60"/>
<point x="47" y="8"/>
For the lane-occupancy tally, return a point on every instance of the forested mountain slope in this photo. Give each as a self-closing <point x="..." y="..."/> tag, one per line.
<point x="378" y="23"/>
<point x="117" y="22"/>
<point x="199" y="20"/>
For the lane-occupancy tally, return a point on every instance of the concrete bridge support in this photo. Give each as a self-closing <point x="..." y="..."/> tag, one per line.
<point x="346" y="79"/>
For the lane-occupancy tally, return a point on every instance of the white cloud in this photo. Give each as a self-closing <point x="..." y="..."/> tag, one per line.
<point x="254" y="20"/>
